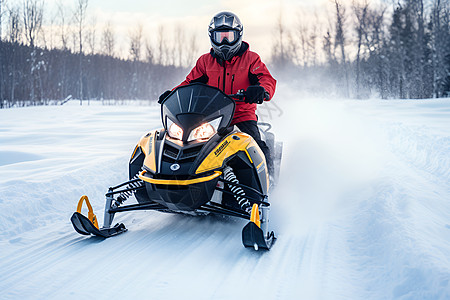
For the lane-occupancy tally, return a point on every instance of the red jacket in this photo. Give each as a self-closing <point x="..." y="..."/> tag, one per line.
<point x="244" y="69"/>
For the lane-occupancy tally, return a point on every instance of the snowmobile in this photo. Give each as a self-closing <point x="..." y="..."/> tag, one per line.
<point x="197" y="164"/>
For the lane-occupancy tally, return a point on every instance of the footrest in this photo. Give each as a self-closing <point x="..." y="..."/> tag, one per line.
<point x="253" y="236"/>
<point x="84" y="226"/>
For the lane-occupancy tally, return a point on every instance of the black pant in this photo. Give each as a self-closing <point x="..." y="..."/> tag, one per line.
<point x="251" y="128"/>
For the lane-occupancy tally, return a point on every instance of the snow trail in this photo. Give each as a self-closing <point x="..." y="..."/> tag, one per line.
<point x="361" y="211"/>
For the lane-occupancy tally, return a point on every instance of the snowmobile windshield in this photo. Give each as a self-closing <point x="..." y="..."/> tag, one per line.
<point x="188" y="108"/>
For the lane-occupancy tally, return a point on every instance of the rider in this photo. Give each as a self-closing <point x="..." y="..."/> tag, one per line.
<point x="231" y="66"/>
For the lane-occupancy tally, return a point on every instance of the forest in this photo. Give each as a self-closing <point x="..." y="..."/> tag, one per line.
<point x="398" y="50"/>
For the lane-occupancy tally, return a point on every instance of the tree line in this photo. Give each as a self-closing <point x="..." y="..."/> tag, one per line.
<point x="399" y="51"/>
<point x="42" y="63"/>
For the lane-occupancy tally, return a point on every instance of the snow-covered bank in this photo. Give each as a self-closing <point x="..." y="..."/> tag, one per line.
<point x="362" y="211"/>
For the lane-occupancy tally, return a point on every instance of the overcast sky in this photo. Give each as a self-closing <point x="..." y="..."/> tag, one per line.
<point x="259" y="17"/>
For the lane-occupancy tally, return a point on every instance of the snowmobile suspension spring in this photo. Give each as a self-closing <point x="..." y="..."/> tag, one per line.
<point x="238" y="192"/>
<point x="133" y="185"/>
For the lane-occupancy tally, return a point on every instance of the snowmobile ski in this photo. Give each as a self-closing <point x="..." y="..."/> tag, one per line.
<point x="253" y="235"/>
<point x="83" y="226"/>
<point x="89" y="225"/>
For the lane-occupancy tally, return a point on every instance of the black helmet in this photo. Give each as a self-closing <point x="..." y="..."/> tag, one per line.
<point x="225" y="33"/>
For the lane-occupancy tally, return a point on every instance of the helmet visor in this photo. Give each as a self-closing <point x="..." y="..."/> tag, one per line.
<point x="220" y="37"/>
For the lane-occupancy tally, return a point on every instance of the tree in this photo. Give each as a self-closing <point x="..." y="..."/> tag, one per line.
<point x="135" y="56"/>
<point x="440" y="47"/>
<point x="339" y="41"/>
<point x="136" y="42"/>
<point x="375" y="67"/>
<point x="80" y="18"/>
<point x="32" y="22"/>
<point x="14" y="33"/>
<point x="179" y="44"/>
<point x="162" y="46"/>
<point x="108" y="40"/>
<point x="1" y="53"/>
<point x="92" y="36"/>
<point x="2" y="3"/>
<point x="360" y="10"/>
<point x="191" y="50"/>
<point x="301" y="45"/>
<point x="280" y="57"/>
<point x="63" y="26"/>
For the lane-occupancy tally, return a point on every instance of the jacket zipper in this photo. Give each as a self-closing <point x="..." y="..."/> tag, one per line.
<point x="232" y="81"/>
<point x="224" y="76"/>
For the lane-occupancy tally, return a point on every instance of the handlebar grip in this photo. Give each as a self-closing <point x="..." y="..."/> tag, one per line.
<point x="240" y="95"/>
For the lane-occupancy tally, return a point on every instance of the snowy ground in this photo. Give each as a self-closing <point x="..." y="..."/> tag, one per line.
<point x="362" y="212"/>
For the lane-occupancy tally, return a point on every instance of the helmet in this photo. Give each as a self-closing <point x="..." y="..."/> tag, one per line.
<point x="225" y="33"/>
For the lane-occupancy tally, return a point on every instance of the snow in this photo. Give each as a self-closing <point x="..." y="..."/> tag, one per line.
<point x="362" y="210"/>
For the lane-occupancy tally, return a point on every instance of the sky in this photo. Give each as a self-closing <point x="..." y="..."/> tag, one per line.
<point x="258" y="17"/>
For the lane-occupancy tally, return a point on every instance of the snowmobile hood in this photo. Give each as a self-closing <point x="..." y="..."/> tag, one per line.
<point x="191" y="105"/>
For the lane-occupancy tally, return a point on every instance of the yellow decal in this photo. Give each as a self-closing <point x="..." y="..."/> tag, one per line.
<point x="91" y="216"/>
<point x="233" y="143"/>
<point x="147" y="145"/>
<point x="179" y="182"/>
<point x="221" y="148"/>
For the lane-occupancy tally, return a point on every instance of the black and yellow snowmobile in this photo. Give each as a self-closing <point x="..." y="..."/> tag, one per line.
<point x="197" y="164"/>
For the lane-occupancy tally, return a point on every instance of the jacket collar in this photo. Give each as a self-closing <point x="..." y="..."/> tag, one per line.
<point x="244" y="47"/>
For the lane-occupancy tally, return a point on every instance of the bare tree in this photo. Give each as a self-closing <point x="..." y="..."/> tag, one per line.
<point x="2" y="12"/>
<point x="191" y="50"/>
<point x="14" y="33"/>
<point x="162" y="46"/>
<point x="63" y="25"/>
<point x="299" y="47"/>
<point x="328" y="47"/>
<point x="32" y="22"/>
<point x="179" y="44"/>
<point x="136" y="42"/>
<point x="91" y="36"/>
<point x="48" y="31"/>
<point x="135" y="55"/>
<point x="2" y="3"/>
<point x="279" y="53"/>
<point x="440" y="44"/>
<point x="14" y="29"/>
<point x="340" y="40"/>
<point x="1" y="53"/>
<point x="360" y="10"/>
<point x="149" y="52"/>
<point x="373" y="41"/>
<point x="80" y="18"/>
<point x="108" y="40"/>
<point x="108" y="48"/>
<point x="312" y="40"/>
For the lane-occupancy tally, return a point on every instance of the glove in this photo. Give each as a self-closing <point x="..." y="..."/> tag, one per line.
<point x="164" y="96"/>
<point x="255" y="94"/>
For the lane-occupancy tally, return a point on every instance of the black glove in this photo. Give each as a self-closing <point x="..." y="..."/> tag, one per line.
<point x="164" y="96"/>
<point x="255" y="94"/>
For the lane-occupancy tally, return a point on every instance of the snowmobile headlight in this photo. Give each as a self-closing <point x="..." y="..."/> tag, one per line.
<point x="205" y="131"/>
<point x="175" y="131"/>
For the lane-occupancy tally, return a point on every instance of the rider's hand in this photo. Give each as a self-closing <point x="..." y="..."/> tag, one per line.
<point x="164" y="96"/>
<point x="255" y="94"/>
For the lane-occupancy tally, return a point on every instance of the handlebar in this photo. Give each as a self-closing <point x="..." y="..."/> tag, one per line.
<point x="239" y="96"/>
